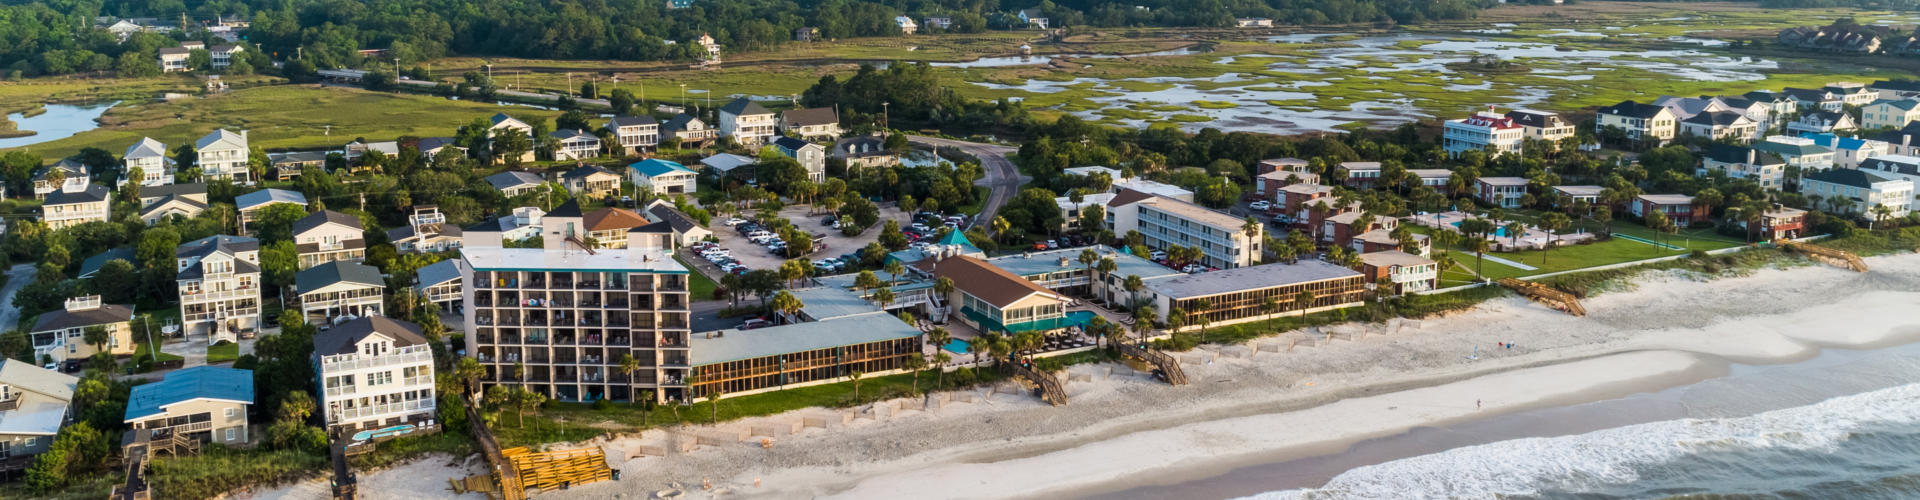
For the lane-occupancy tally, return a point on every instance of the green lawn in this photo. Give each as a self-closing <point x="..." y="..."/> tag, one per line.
<point x="1612" y="251"/>
<point x="223" y="352"/>
<point x="698" y="285"/>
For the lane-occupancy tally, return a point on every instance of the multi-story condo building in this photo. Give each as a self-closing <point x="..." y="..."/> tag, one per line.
<point x="340" y="290"/>
<point x="1858" y="191"/>
<point x="747" y="123"/>
<point x="1639" y="121"/>
<point x="223" y="155"/>
<point x="1798" y="152"/>
<point x="1504" y="192"/>
<point x="1900" y="167"/>
<point x="560" y="322"/>
<point x="373" y="373"/>
<point x="203" y="403"/>
<point x="34" y="402"/>
<point x="1741" y="162"/>
<point x="1222" y="238"/>
<point x="811" y="123"/>
<point x="1721" y="125"/>
<point x="72" y="175"/>
<point x="1485" y="131"/>
<point x="72" y="208"/>
<point x="1890" y="113"/>
<point x="1239" y="295"/>
<point x="219" y="279"/>
<point x="327" y="236"/>
<point x="636" y="134"/>
<point x="150" y="156"/>
<point x="1541" y="125"/>
<point x="62" y="334"/>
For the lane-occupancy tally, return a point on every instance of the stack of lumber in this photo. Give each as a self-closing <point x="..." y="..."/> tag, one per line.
<point x="552" y="470"/>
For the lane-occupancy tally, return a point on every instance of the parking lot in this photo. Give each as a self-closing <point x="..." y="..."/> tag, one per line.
<point x="754" y="256"/>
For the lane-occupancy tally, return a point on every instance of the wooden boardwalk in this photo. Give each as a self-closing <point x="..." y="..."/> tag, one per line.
<point x="1552" y="297"/>
<point x="1050" y="389"/>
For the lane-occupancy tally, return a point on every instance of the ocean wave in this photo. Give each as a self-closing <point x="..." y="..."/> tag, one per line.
<point x="1596" y="460"/>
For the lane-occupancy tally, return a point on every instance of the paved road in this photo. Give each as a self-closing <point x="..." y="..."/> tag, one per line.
<point x="1002" y="179"/>
<point x="18" y="276"/>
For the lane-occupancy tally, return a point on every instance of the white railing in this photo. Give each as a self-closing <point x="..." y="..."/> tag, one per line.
<point x="348" y="301"/>
<point x="358" y="362"/>
<point x="219" y="295"/>
<point x="215" y="315"/>
<point x="421" y="380"/>
<point x="345" y="390"/>
<point x="379" y="410"/>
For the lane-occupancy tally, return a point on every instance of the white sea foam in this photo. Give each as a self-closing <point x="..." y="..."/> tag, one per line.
<point x="1612" y="456"/>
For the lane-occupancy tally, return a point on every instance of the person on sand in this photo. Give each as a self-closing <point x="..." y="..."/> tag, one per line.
<point x="1476" y="404"/>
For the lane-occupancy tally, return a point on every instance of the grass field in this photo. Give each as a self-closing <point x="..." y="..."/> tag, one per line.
<point x="282" y="117"/>
<point x="1611" y="251"/>
<point x="223" y="352"/>
<point x="698" y="285"/>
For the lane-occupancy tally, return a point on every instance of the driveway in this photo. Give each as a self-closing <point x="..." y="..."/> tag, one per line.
<point x="17" y="277"/>
<point x="1002" y="179"/>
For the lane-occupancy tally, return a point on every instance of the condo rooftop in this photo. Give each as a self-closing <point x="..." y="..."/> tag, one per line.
<point x="1242" y="279"/>
<point x="734" y="345"/>
<point x="607" y="260"/>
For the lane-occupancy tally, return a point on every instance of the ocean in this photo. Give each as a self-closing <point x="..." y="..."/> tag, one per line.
<point x="1864" y="446"/>
<point x="1843" y="424"/>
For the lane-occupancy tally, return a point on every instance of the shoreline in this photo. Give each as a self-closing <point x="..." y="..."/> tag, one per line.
<point x="1123" y="430"/>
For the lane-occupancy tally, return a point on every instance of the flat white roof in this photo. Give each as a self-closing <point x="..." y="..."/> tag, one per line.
<point x="536" y="259"/>
<point x="1151" y="187"/>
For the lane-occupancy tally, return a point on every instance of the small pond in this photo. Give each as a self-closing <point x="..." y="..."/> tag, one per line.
<point x="59" y="122"/>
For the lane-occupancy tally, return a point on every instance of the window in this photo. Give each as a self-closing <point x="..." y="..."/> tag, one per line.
<point x="230" y="413"/>
<point x="232" y="433"/>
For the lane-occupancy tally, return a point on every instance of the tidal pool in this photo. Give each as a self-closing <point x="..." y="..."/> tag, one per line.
<point x="59" y="122"/>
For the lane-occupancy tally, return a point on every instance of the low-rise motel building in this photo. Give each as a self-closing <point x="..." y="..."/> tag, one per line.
<point x="1238" y="295"/>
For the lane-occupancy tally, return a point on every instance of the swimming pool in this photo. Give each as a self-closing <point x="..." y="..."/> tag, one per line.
<point x="390" y="431"/>
<point x="955" y="346"/>
<point x="1500" y="232"/>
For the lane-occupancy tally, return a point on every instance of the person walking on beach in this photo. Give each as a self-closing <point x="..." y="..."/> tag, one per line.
<point x="1476" y="404"/>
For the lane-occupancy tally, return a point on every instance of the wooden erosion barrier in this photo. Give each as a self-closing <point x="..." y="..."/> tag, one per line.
<point x="1829" y="255"/>
<point x="1169" y="367"/>
<point x="1543" y="294"/>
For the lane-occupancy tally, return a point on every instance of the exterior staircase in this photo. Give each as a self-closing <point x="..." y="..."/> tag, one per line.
<point x="1168" y="366"/>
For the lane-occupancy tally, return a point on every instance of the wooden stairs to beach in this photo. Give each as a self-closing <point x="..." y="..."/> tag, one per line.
<point x="1550" y="296"/>
<point x="1049" y="387"/>
<point x="552" y="470"/>
<point x="1166" y="364"/>
<point x="1829" y="255"/>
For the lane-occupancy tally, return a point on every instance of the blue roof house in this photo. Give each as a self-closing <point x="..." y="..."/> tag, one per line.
<point x="205" y="403"/>
<point x="664" y="177"/>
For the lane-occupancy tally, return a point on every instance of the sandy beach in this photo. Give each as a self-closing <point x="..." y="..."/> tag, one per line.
<point x="1122" y="430"/>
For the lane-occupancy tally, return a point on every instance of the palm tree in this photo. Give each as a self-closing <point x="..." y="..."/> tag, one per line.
<point x="855" y="376"/>
<point x="1514" y="228"/>
<point x="943" y="286"/>
<point x="1000" y="228"/>
<point x="1106" y="267"/>
<point x="1133" y="285"/>
<point x="915" y="365"/>
<point x="866" y="280"/>
<point x="1303" y="300"/>
<point x="1480" y="248"/>
<point x="1445" y="240"/>
<point x="1269" y="306"/>
<point x="787" y="303"/>
<point x="1880" y="214"/>
<point x="884" y="296"/>
<point x="894" y="270"/>
<point x="1143" y="319"/>
<point x="940" y="360"/>
<point x="1552" y="222"/>
<point x="714" y="394"/>
<point x="1251" y="227"/>
<point x="1087" y="258"/>
<point x="628" y="365"/>
<point x="1176" y="319"/>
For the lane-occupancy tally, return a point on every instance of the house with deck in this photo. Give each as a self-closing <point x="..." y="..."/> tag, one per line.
<point x="664" y="177"/>
<point x="34" y="404"/>
<point x="812" y="157"/>
<point x="62" y="334"/>
<point x="1678" y="208"/>
<point x="340" y="290"/>
<point x="747" y="122"/>
<point x="224" y="155"/>
<point x="328" y="236"/>
<point x="374" y="373"/>
<point x="219" y="283"/>
<point x="635" y="134"/>
<point x="207" y="404"/>
<point x="72" y="208"/>
<point x="150" y="156"/>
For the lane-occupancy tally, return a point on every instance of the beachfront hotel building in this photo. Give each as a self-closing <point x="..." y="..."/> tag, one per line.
<point x="745" y="362"/>
<point x="373" y="372"/>
<point x="560" y="321"/>
<point x="990" y="299"/>
<point x="1166" y="222"/>
<point x="1238" y="295"/>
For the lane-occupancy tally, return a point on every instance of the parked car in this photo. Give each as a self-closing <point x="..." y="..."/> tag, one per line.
<point x="919" y="228"/>
<point x="1157" y="255"/>
<point x="735" y="221"/>
<point x="1259" y="206"/>
<point x="754" y="323"/>
<point x="1193" y="268"/>
<point x="830" y="221"/>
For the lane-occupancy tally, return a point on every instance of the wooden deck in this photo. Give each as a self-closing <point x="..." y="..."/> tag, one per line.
<point x="1550" y="296"/>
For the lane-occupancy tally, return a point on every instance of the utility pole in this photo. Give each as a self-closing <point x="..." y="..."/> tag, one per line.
<point x="884" y="123"/>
